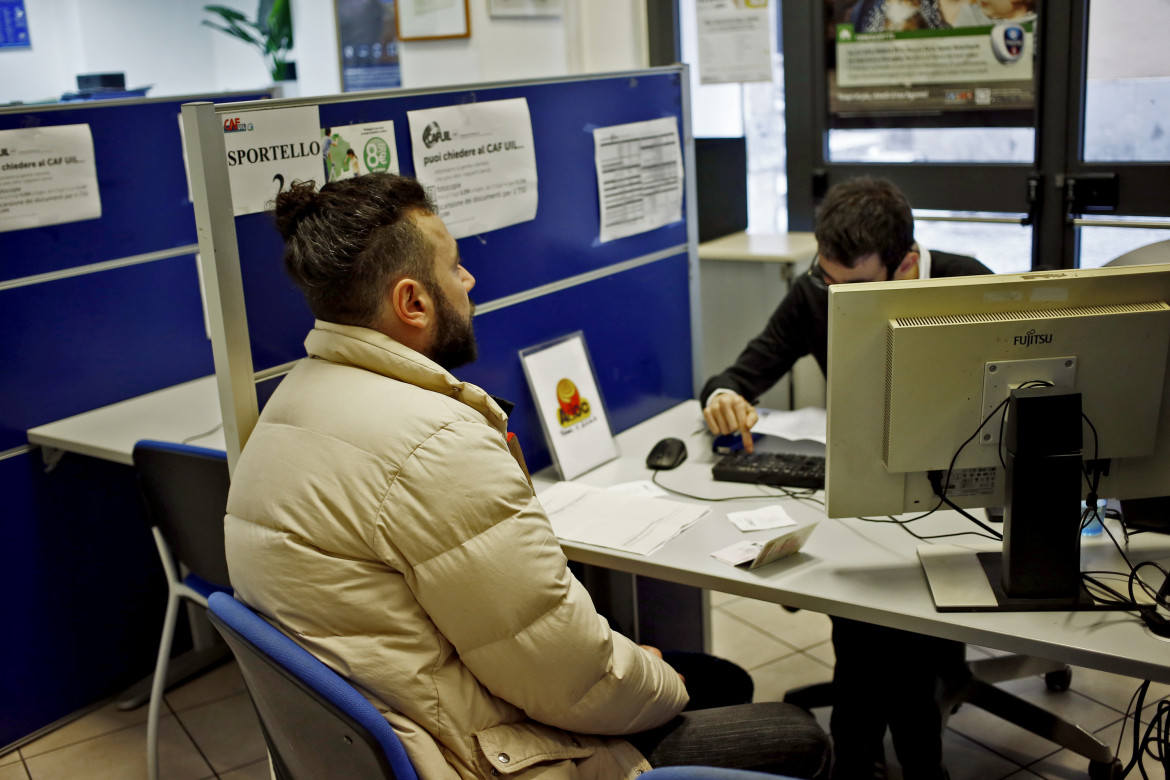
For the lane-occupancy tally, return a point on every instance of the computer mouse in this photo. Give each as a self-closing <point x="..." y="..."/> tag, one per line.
<point x="667" y="454"/>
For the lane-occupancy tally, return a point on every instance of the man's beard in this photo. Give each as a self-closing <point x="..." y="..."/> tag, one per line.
<point x="454" y="343"/>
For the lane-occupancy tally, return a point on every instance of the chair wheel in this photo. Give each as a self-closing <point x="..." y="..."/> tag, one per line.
<point x="1105" y="770"/>
<point x="1059" y="681"/>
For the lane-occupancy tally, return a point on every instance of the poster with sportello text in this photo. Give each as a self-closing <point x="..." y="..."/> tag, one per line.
<point x="269" y="149"/>
<point x="355" y="150"/>
<point x="478" y="163"/>
<point x="47" y="176"/>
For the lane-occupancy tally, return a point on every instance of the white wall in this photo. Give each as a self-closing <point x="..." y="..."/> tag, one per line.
<point x="163" y="43"/>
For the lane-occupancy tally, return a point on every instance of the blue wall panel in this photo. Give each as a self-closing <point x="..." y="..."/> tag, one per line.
<point x="84" y="592"/>
<point x="644" y="311"/>
<point x="634" y="324"/>
<point x="563" y="239"/>
<point x="79" y="343"/>
<point x="138" y="155"/>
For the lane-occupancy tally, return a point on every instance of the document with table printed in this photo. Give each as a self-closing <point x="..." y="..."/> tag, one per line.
<point x="615" y="519"/>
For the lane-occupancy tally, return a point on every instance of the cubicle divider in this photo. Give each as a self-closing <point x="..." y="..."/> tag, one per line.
<point x="92" y="312"/>
<point x="633" y="297"/>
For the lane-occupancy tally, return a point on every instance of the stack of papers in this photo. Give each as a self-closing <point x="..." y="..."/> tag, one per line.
<point x="615" y="519"/>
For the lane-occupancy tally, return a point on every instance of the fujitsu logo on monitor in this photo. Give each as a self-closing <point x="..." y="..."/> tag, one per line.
<point x="1032" y="337"/>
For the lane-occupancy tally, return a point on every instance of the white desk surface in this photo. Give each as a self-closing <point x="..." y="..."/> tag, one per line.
<point x="174" y="414"/>
<point x="760" y="247"/>
<point x="848" y="568"/>
<point x="855" y="569"/>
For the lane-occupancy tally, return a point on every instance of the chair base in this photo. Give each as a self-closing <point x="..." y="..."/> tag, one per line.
<point x="979" y="690"/>
<point x="181" y="669"/>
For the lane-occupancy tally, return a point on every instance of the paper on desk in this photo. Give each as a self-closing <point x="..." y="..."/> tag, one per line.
<point x="807" y="423"/>
<point x="620" y="521"/>
<point x="641" y="487"/>
<point x="761" y="519"/>
<point x="756" y="554"/>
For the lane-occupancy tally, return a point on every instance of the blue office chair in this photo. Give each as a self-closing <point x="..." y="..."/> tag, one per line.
<point x="184" y="490"/>
<point x="706" y="773"/>
<point x="314" y="722"/>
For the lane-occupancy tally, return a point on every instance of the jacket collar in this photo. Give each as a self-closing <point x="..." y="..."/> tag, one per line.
<point x="373" y="351"/>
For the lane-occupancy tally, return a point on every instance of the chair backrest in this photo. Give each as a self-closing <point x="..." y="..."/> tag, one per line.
<point x="1158" y="252"/>
<point x="185" y="490"/>
<point x="315" y="723"/>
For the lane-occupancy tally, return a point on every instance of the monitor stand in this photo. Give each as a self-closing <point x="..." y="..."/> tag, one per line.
<point x="968" y="579"/>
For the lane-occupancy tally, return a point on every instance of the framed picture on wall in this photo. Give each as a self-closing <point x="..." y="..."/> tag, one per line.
<point x="367" y="44"/>
<point x="526" y="7"/>
<point x="427" y="20"/>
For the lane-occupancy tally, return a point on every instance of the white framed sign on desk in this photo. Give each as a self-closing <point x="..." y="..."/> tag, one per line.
<point x="572" y="413"/>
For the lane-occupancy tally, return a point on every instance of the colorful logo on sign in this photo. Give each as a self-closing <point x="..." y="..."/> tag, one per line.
<point x="572" y="409"/>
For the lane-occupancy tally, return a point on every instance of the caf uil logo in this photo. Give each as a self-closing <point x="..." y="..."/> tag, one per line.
<point x="433" y="134"/>
<point x="1032" y="337"/>
<point x="572" y="409"/>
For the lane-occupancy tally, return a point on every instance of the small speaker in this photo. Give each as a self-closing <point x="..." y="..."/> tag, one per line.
<point x="721" y="182"/>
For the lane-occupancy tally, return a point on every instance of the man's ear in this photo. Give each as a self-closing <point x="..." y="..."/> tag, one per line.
<point x="908" y="268"/>
<point x="410" y="303"/>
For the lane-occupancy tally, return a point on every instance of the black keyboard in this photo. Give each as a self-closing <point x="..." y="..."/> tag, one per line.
<point x="779" y="469"/>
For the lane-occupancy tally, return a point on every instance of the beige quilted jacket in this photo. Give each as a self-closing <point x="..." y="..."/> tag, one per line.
<point x="377" y="517"/>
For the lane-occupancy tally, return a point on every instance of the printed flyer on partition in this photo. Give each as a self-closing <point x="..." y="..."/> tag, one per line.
<point x="47" y="177"/>
<point x="477" y="162"/>
<point x="355" y="150"/>
<point x="269" y="149"/>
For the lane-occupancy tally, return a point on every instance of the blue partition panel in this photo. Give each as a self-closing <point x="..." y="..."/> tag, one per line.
<point x="637" y="323"/>
<point x="139" y="160"/>
<point x="84" y="591"/>
<point x="83" y="342"/>
<point x="633" y="323"/>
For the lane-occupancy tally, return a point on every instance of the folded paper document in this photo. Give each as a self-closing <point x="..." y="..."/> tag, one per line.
<point x="755" y="554"/>
<point x="615" y="519"/>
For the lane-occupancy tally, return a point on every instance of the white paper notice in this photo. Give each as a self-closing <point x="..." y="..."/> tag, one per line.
<point x="639" y="176"/>
<point x="269" y="149"/>
<point x="735" y="43"/>
<point x="47" y="176"/>
<point x="808" y="423"/>
<point x="620" y="521"/>
<point x="570" y="407"/>
<point x="761" y="519"/>
<point x="477" y="162"/>
<point x="355" y="150"/>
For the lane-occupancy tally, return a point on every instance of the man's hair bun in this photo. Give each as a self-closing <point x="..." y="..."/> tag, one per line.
<point x="294" y="204"/>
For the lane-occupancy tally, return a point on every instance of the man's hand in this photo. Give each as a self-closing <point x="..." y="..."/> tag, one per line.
<point x="654" y="651"/>
<point x="730" y="412"/>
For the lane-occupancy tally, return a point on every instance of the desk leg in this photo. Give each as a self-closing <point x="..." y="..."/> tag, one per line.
<point x="650" y="611"/>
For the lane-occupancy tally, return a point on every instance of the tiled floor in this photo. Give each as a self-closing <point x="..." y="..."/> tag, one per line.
<point x="210" y="731"/>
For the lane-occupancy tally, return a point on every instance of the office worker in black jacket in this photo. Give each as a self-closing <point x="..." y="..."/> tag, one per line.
<point x="883" y="677"/>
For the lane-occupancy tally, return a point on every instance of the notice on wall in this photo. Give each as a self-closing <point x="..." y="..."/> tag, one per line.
<point x="639" y="176"/>
<point x="883" y="70"/>
<point x="735" y="41"/>
<point x="14" y="25"/>
<point x="269" y="149"/>
<point x="355" y="150"/>
<point x="47" y="176"/>
<point x="478" y="163"/>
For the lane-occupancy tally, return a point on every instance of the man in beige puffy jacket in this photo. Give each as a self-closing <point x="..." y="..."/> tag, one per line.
<point x="378" y="517"/>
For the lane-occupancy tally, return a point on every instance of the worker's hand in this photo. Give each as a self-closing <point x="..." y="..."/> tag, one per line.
<point x="730" y="412"/>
